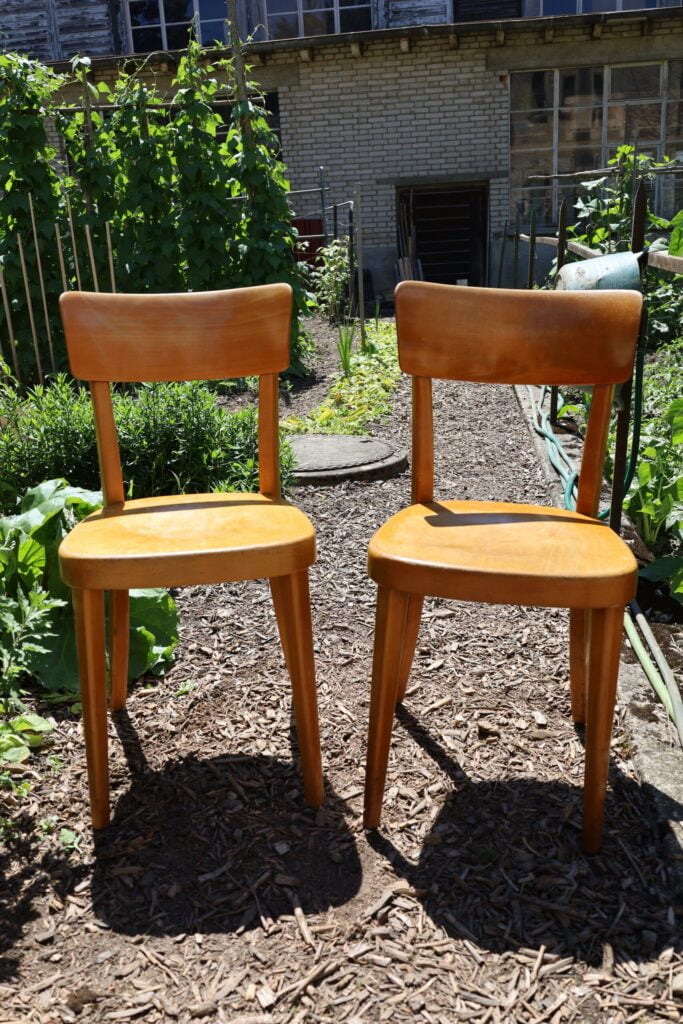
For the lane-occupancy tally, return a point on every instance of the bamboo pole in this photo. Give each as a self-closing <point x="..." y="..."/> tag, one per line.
<point x="91" y="254"/>
<point x="60" y="253"/>
<point x="358" y="220"/>
<point x="110" y="255"/>
<point x="29" y="303"/>
<point x="73" y="242"/>
<point x="39" y="264"/>
<point x="10" y="328"/>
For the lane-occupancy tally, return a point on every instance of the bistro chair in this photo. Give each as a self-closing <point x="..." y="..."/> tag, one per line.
<point x="498" y="552"/>
<point x="187" y="539"/>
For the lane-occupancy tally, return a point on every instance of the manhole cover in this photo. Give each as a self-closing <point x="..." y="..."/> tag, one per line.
<point x="329" y="458"/>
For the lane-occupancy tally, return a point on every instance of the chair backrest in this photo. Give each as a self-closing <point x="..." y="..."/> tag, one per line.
<point x="506" y="336"/>
<point x="189" y="336"/>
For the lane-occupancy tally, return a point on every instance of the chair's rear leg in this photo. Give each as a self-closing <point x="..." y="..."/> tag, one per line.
<point x="392" y="609"/>
<point x="408" y="643"/>
<point x="605" y="648"/>
<point x="119" y="619"/>
<point x="88" y="608"/>
<point x="579" y="653"/>
<point x="293" y="613"/>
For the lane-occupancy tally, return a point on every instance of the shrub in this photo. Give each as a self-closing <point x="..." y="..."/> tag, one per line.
<point x="331" y="279"/>
<point x="173" y="438"/>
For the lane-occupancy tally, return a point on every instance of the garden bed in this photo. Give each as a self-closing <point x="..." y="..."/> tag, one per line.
<point x="216" y="894"/>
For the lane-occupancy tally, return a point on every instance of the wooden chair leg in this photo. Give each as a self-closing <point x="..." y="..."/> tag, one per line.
<point x="392" y="609"/>
<point x="293" y="613"/>
<point x="119" y="619"/>
<point x="411" y="630"/>
<point x="88" y="608"/>
<point x="605" y="648"/>
<point x="579" y="651"/>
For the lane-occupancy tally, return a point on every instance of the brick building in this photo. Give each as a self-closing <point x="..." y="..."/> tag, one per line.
<point x="442" y="109"/>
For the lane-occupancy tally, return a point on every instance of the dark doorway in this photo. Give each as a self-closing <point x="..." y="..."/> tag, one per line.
<point x="443" y="229"/>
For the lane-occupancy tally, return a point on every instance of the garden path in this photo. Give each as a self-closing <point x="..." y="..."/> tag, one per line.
<point x="217" y="895"/>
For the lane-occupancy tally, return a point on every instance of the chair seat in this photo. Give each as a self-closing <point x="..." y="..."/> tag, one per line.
<point x="503" y="554"/>
<point x="187" y="539"/>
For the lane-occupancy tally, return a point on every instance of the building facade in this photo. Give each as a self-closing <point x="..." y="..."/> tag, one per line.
<point x="452" y="127"/>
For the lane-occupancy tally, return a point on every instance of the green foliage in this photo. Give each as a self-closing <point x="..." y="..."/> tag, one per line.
<point x="347" y="333"/>
<point x="331" y="280"/>
<point x="655" y="501"/>
<point x="20" y="735"/>
<point x="29" y="571"/>
<point x="173" y="438"/>
<point x="186" y="208"/>
<point x="670" y="569"/>
<point x="354" y="402"/>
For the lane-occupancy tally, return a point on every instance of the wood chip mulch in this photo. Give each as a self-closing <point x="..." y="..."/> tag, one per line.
<point x="217" y="895"/>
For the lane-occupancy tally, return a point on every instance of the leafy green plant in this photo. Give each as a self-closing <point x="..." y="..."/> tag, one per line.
<point x="22" y="734"/>
<point x="29" y="566"/>
<point x="331" y="279"/>
<point x="173" y="438"/>
<point x="347" y="333"/>
<point x="354" y="402"/>
<point x="655" y="502"/>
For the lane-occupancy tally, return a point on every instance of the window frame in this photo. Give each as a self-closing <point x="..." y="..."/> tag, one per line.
<point x="163" y="21"/>
<point x="333" y="5"/>
<point x="619" y="8"/>
<point x="659" y="146"/>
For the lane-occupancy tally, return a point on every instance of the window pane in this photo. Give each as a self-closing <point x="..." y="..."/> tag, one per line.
<point x="355" y="19"/>
<point x="354" y="3"/>
<point x="636" y="5"/>
<point x="281" y="7"/>
<point x="639" y="83"/>
<point x="176" y="36"/>
<point x="283" y="26"/>
<point x="178" y="10"/>
<point x="144" y="12"/>
<point x="581" y="87"/>
<point x="540" y="199"/>
<point x="581" y="125"/>
<point x="146" y="39"/>
<point x="531" y="90"/>
<point x="596" y="6"/>
<point x="532" y="129"/>
<point x="522" y="165"/>
<point x="320" y="24"/>
<point x="210" y="31"/>
<point x="213" y="9"/>
<point x="571" y="160"/>
<point x="559" y="6"/>
<point x="316" y="5"/>
<point x="636" y="121"/>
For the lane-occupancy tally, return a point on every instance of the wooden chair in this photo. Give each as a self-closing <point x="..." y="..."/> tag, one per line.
<point x="499" y="552"/>
<point x="187" y="539"/>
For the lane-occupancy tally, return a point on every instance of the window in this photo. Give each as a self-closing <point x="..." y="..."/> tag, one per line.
<point x="601" y="6"/>
<point x="574" y="119"/>
<point x="165" y="24"/>
<point x="289" y="18"/>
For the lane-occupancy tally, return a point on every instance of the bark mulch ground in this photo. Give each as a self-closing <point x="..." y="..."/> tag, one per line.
<point x="217" y="895"/>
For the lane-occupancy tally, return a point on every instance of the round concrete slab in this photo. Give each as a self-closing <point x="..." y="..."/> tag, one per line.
<point x="330" y="458"/>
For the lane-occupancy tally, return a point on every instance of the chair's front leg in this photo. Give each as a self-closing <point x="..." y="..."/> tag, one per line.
<point x="605" y="647"/>
<point x="408" y="643"/>
<point x="392" y="609"/>
<point x="292" y="604"/>
<point x="119" y="620"/>
<point x="579" y="656"/>
<point x="88" y="608"/>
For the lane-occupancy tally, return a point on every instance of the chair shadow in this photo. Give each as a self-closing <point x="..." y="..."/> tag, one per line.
<point x="445" y="517"/>
<point x="502" y="867"/>
<point x="218" y="845"/>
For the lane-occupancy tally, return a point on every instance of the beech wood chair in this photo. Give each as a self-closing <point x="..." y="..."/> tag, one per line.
<point x="187" y="539"/>
<point x="499" y="552"/>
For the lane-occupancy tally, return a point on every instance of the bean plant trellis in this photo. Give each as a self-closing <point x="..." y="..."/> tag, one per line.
<point x="150" y="195"/>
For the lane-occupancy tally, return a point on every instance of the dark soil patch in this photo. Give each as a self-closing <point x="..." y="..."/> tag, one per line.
<point x="216" y="894"/>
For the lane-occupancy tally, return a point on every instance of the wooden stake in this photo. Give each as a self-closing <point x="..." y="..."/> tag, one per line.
<point x="91" y="254"/>
<point x="110" y="255"/>
<point x="10" y="329"/>
<point x="42" y="284"/>
<point x="359" y="257"/>
<point x="73" y="242"/>
<point x="29" y="304"/>
<point x="60" y="253"/>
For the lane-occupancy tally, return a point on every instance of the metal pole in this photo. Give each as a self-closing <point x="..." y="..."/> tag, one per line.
<point x="624" y="413"/>
<point x="352" y="257"/>
<point x="515" y="283"/>
<point x="111" y="256"/>
<point x="532" y="250"/>
<point x="322" y="204"/>
<point x="359" y="250"/>
<point x="501" y="260"/>
<point x="335" y="220"/>
<point x="561" y="256"/>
